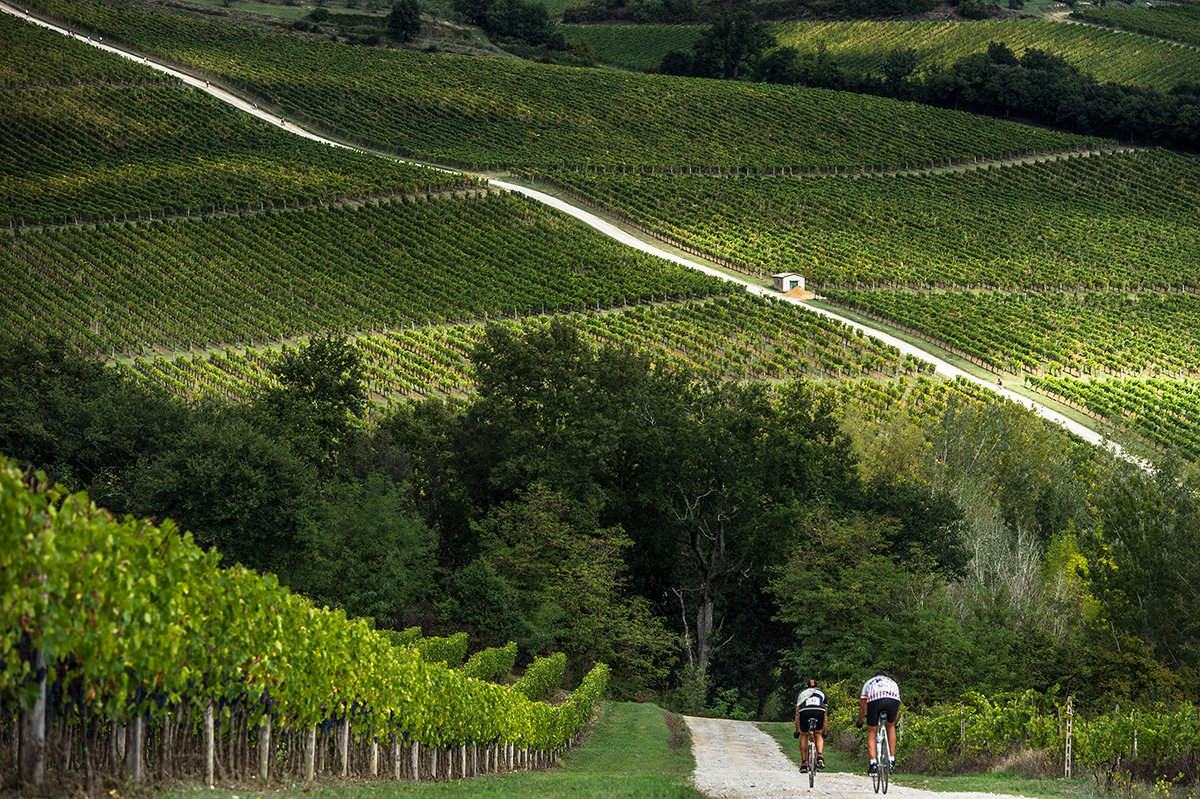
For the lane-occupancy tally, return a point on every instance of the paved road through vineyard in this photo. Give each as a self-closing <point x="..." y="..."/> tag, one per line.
<point x="736" y="760"/>
<point x="585" y="216"/>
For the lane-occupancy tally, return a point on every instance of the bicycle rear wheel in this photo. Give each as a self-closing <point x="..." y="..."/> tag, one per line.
<point x="812" y="758"/>
<point x="885" y="769"/>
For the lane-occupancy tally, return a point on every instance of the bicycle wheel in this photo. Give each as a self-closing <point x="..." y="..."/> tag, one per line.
<point x="880" y="749"/>
<point x="812" y="758"/>
<point x="885" y="770"/>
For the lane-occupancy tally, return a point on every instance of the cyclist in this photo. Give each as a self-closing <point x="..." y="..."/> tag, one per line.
<point x="879" y="694"/>
<point x="812" y="703"/>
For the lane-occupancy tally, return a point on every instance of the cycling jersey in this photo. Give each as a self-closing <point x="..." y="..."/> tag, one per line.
<point x="812" y="698"/>
<point x="880" y="688"/>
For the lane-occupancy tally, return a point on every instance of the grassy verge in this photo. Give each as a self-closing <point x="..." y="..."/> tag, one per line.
<point x="1004" y="782"/>
<point x="782" y="731"/>
<point x="635" y="750"/>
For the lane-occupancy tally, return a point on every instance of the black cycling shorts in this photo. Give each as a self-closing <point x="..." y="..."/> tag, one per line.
<point x="888" y="705"/>
<point x="807" y="713"/>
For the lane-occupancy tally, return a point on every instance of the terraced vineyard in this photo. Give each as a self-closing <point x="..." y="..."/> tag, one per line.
<point x="734" y="337"/>
<point x="1113" y="333"/>
<point x="1122" y="220"/>
<point x="1176" y="22"/>
<point x="492" y="113"/>
<point x="860" y="46"/>
<point x="182" y="284"/>
<point x="413" y="280"/>
<point x="634" y="46"/>
<point x="98" y="138"/>
<point x="1163" y="412"/>
<point x="1109" y="56"/>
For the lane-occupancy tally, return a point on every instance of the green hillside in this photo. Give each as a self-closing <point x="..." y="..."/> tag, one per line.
<point x="861" y="46"/>
<point x="426" y="402"/>
<point x="491" y="113"/>
<point x="1107" y="55"/>
<point x="1177" y="22"/>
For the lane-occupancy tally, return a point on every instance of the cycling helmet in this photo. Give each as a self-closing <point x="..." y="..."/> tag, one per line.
<point x="812" y="683"/>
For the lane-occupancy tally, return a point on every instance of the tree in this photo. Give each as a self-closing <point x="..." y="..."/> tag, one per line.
<point x="1141" y="559"/>
<point x="729" y="473"/>
<point x="373" y="554"/>
<point x="236" y="489"/>
<point x="551" y="586"/>
<point x="404" y="23"/>
<point x="320" y="396"/>
<point x="898" y="64"/>
<point x="83" y="423"/>
<point x="733" y="42"/>
<point x="677" y="62"/>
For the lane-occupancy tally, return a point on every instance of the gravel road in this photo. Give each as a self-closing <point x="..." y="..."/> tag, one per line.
<point x="736" y="760"/>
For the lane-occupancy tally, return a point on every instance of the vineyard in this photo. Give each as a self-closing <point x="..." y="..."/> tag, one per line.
<point x="634" y="46"/>
<point x="93" y="137"/>
<point x="1176" y="22"/>
<point x="266" y="277"/>
<point x="1113" y="333"/>
<point x="490" y="113"/>
<point x="1160" y="737"/>
<point x="1161" y="411"/>
<point x="860" y="46"/>
<point x="143" y="656"/>
<point x="730" y="338"/>
<point x="1121" y="221"/>
<point x="1107" y="55"/>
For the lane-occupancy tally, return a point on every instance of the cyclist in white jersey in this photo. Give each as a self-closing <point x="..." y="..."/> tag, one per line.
<point x="879" y="694"/>
<point x="812" y="702"/>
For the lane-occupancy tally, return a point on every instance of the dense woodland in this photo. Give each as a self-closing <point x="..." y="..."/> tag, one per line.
<point x="709" y="540"/>
<point x="715" y="533"/>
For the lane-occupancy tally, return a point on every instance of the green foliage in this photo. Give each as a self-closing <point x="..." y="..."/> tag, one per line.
<point x="1175" y="22"/>
<point x="374" y="554"/>
<point x="858" y="46"/>
<point x="161" y="620"/>
<point x="733" y="42"/>
<point x="509" y="113"/>
<point x="159" y="284"/>
<point x="543" y="677"/>
<point x="448" y="651"/>
<point x="94" y="129"/>
<point x="407" y="637"/>
<point x="1140" y="564"/>
<point x="492" y="663"/>
<point x="404" y="22"/>
<point x="319" y="395"/>
<point x="237" y="489"/>
<point x="639" y="47"/>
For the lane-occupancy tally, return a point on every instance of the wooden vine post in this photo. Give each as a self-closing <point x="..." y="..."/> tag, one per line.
<point x="133" y="748"/>
<point x="344" y="745"/>
<point x="310" y="754"/>
<point x="209" y="745"/>
<point x="1070" y="729"/>
<point x="264" y="747"/>
<point x="31" y="739"/>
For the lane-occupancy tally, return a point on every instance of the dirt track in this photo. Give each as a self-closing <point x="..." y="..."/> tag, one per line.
<point x="736" y="760"/>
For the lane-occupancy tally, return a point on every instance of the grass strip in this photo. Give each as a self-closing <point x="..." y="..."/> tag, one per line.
<point x="634" y="750"/>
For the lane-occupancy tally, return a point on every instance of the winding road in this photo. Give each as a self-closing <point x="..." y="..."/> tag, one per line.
<point x="942" y="367"/>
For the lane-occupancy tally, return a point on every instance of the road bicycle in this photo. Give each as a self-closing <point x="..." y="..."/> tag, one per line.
<point x="882" y="756"/>
<point x="812" y="752"/>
